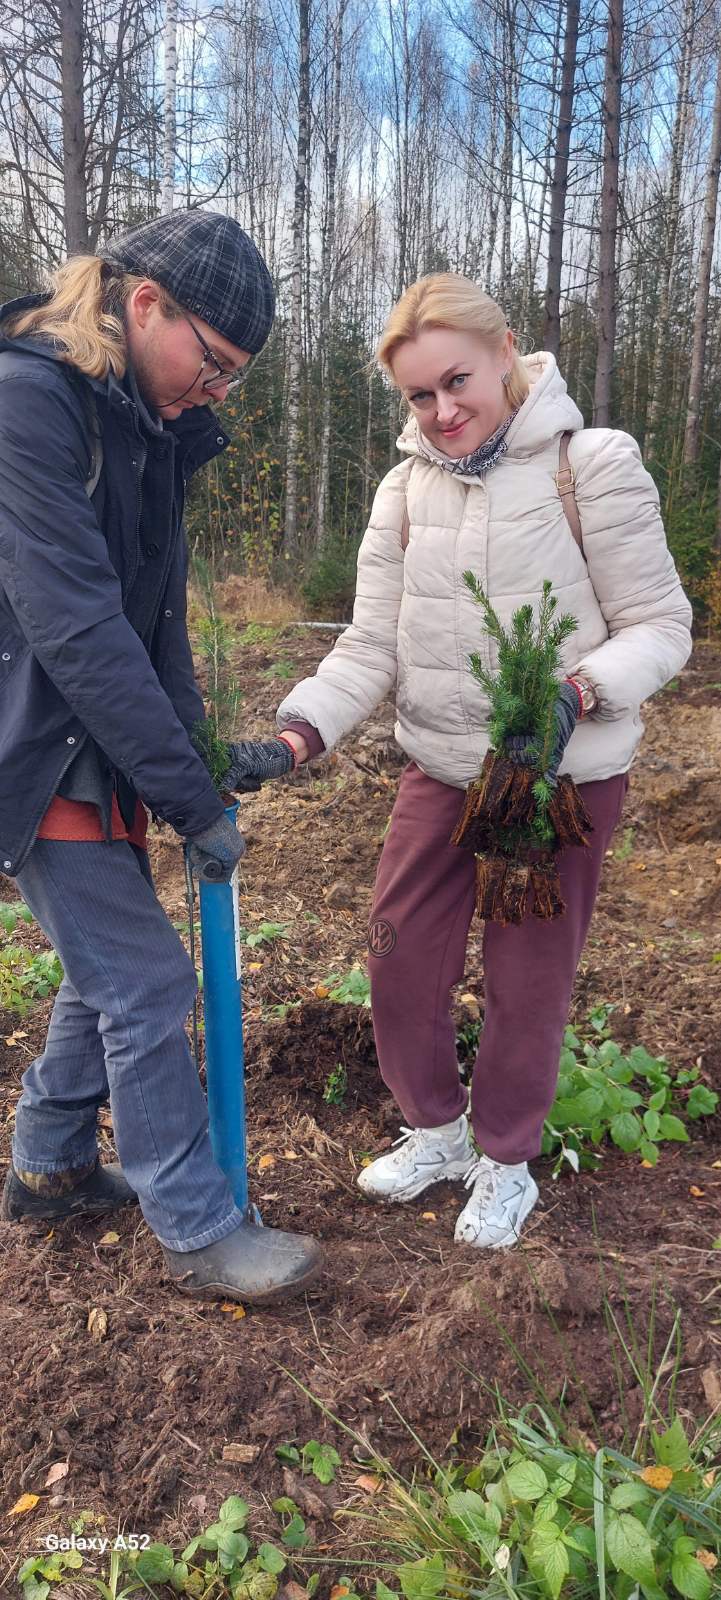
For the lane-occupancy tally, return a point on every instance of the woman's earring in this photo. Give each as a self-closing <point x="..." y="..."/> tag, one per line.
<point x="505" y="377"/>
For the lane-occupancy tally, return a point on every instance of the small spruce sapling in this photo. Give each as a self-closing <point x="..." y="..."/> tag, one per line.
<point x="515" y="819"/>
<point x="215" y="644"/>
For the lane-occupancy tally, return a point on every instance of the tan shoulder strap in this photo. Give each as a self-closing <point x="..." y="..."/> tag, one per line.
<point x="565" y="480"/>
<point x="405" y="528"/>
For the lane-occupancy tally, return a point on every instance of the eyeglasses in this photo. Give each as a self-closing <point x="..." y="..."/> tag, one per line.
<point x="220" y="378"/>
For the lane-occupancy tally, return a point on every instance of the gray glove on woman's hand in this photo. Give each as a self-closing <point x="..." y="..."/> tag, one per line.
<point x="254" y="760"/>
<point x="566" y="711"/>
<point x="214" y="854"/>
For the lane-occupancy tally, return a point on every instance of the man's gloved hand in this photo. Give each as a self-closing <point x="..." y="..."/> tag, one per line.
<point x="215" y="853"/>
<point x="524" y="750"/>
<point x="254" y="760"/>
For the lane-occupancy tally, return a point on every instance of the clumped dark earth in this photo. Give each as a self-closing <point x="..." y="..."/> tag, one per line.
<point x="403" y="1321"/>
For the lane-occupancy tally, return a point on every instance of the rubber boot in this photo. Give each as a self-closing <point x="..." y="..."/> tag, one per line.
<point x="259" y="1265"/>
<point x="103" y="1189"/>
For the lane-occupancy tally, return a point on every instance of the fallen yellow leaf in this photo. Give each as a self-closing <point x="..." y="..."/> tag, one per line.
<point x="709" y="1478"/>
<point x="657" y="1477"/>
<point x="18" y="1033"/>
<point x="254" y="966"/>
<point x="696" y="1192"/>
<point x="110" y="1238"/>
<point x="266" y="1162"/>
<point x="321" y="992"/>
<point x="675" y="892"/>
<point x="338" y="1590"/>
<point x="290" y="1155"/>
<point x="428" y="1216"/>
<point x="51" y="1234"/>
<point x="368" y="1482"/>
<point x="25" y="1503"/>
<point x="707" y="1559"/>
<point x="232" y="1306"/>
<point x="97" y="1324"/>
<point x="366" y="1161"/>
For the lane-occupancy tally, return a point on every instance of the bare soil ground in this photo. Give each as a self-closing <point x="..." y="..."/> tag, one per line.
<point x="401" y="1315"/>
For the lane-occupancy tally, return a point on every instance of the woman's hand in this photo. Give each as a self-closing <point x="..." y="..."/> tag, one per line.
<point x="297" y="744"/>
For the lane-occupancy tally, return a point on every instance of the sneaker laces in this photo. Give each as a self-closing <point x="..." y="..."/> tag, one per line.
<point x="407" y="1144"/>
<point x="486" y="1174"/>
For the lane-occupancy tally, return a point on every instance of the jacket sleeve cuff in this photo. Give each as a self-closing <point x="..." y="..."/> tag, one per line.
<point x="311" y="735"/>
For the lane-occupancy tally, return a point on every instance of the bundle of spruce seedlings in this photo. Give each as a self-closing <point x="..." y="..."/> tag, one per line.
<point x="515" y="818"/>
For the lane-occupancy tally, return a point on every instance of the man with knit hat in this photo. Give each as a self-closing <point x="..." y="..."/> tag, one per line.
<point x="106" y="387"/>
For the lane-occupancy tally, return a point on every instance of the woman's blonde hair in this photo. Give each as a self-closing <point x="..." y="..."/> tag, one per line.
<point x="84" y="315"/>
<point x="446" y="300"/>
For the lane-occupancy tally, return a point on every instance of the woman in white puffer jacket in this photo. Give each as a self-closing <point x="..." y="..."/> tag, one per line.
<point x="478" y="489"/>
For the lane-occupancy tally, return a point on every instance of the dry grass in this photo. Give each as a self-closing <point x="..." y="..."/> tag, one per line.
<point x="250" y="599"/>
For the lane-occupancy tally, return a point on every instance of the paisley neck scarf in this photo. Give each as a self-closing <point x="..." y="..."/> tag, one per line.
<point x="480" y="461"/>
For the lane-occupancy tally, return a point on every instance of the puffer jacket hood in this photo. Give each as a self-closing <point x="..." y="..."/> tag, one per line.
<point x="416" y="624"/>
<point x="547" y="412"/>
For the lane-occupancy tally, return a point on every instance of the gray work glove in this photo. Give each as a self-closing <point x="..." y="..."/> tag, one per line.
<point x="215" y="853"/>
<point x="254" y="760"/>
<point x="524" y="750"/>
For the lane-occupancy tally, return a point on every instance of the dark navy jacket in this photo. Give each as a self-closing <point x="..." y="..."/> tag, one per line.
<point x="93" y="636"/>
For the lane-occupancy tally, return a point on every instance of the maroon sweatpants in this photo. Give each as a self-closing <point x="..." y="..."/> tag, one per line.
<point x="422" y="910"/>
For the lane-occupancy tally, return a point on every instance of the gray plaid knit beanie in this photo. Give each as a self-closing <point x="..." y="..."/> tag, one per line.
<point x="209" y="265"/>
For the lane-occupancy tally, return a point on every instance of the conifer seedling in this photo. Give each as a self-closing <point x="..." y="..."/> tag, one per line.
<point x="515" y="819"/>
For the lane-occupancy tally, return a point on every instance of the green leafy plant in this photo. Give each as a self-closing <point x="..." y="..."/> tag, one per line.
<point x="259" y="633"/>
<point x="320" y="1459"/>
<point x="634" y="1099"/>
<point x="349" y="988"/>
<point x="280" y="669"/>
<point x="217" y="1564"/>
<point x="336" y="1085"/>
<point x="11" y="913"/>
<point x="265" y="933"/>
<point x="546" y="1511"/>
<point x="27" y="976"/>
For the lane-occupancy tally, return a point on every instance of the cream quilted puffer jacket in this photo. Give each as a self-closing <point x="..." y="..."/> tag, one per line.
<point x="414" y="620"/>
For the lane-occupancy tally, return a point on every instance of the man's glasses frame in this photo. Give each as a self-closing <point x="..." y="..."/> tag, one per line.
<point x="232" y="379"/>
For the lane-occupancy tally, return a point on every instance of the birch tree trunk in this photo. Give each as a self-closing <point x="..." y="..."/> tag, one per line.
<point x="705" y="261"/>
<point x="607" y="283"/>
<point x="73" y="126"/>
<point x="552" y="323"/>
<point x="295" y="345"/>
<point x="328" y="265"/>
<point x="671" y="220"/>
<point x="170" y="38"/>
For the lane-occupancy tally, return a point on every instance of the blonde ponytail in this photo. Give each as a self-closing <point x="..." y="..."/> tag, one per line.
<point x="84" y="315"/>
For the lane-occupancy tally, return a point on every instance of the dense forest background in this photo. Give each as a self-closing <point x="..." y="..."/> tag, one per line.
<point x="564" y="154"/>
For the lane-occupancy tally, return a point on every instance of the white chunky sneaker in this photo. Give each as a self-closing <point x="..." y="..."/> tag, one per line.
<point x="420" y="1157"/>
<point x="501" y="1200"/>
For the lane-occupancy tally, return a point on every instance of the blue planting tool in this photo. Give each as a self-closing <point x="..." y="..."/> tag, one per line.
<point x="223" y="1013"/>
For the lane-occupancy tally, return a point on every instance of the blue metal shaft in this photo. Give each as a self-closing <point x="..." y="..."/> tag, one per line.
<point x="223" y="1013"/>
